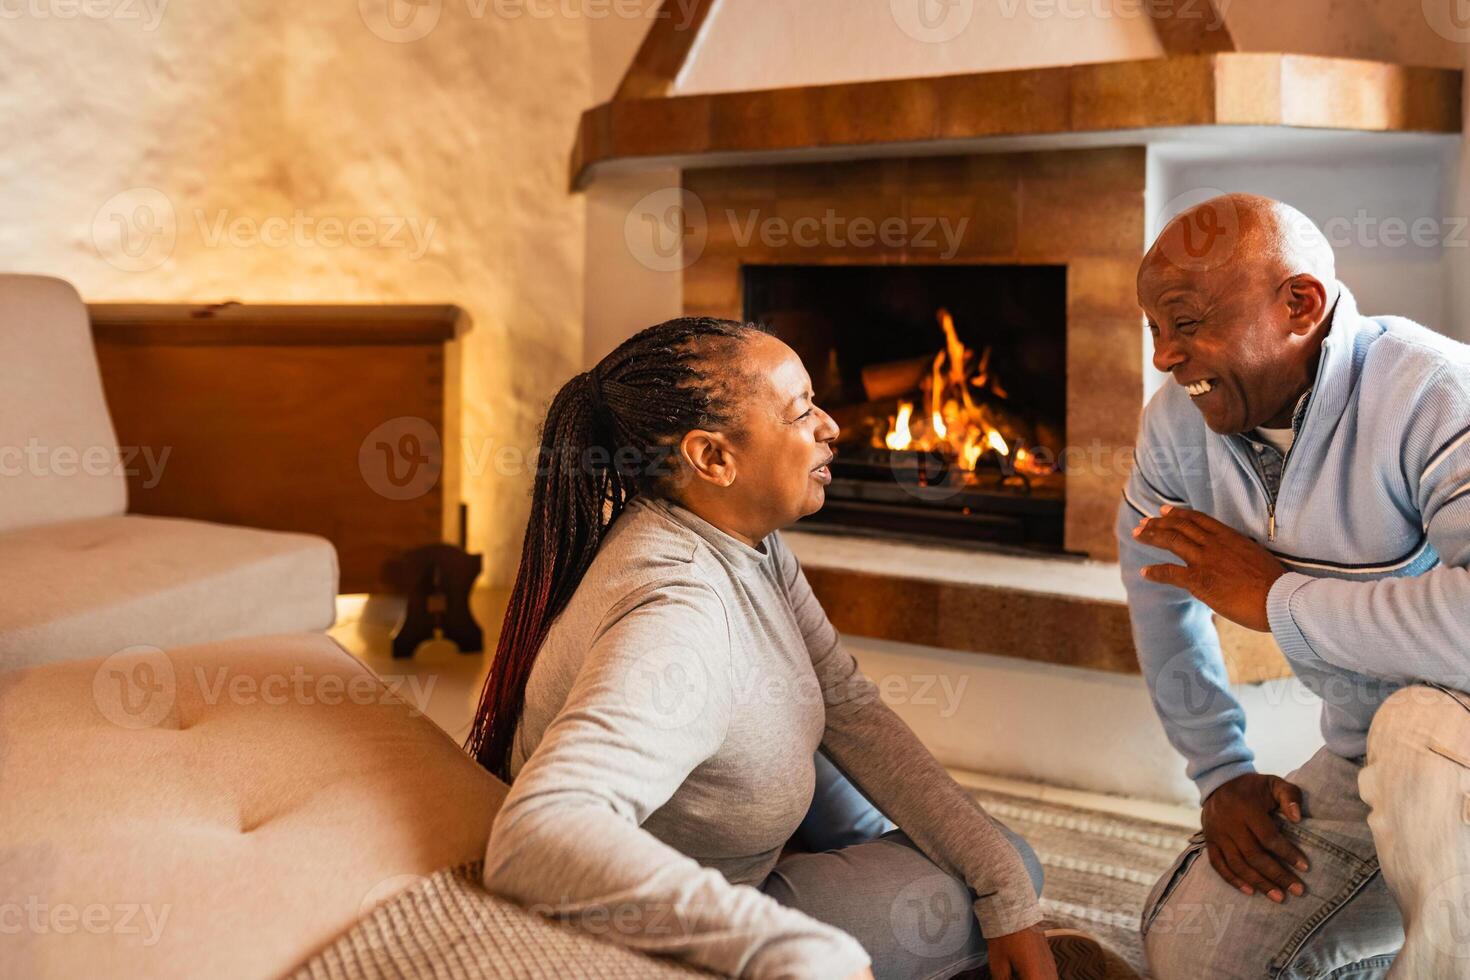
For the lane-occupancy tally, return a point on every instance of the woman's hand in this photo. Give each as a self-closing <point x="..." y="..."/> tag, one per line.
<point x="1022" y="955"/>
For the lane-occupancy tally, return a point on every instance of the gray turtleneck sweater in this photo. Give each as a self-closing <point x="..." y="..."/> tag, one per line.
<point x="665" y="757"/>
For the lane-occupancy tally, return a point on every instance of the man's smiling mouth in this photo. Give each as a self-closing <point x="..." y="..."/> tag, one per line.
<point x="1201" y="387"/>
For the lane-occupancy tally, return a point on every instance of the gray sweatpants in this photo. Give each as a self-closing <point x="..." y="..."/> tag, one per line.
<point x="868" y="879"/>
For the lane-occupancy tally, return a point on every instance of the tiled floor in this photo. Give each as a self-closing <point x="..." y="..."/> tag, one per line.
<point x="439" y="680"/>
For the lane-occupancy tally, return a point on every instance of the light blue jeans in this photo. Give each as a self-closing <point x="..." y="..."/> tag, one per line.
<point x="865" y="877"/>
<point x="1387" y="838"/>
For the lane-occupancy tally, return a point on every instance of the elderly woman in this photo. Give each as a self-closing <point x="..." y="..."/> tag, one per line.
<point x="665" y="679"/>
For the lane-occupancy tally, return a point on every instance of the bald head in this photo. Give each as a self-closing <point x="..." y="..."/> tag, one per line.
<point x="1237" y="232"/>
<point x="1239" y="292"/>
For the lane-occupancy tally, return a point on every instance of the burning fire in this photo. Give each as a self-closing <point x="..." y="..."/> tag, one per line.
<point x="952" y="422"/>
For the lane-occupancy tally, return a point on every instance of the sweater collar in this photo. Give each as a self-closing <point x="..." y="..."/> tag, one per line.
<point x="1337" y="369"/>
<point x="731" y="548"/>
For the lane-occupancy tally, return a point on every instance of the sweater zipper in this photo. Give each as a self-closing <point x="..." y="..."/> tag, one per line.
<point x="1271" y="520"/>
<point x="1255" y="467"/>
<point x="1270" y="499"/>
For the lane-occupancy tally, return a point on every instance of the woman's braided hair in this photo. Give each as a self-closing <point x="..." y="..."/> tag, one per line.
<point x="610" y="435"/>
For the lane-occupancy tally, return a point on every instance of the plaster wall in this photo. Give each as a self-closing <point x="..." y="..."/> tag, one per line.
<point x="772" y="43"/>
<point x="765" y="44"/>
<point x="197" y="152"/>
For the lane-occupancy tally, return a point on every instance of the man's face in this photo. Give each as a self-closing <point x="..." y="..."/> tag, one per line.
<point x="1225" y="334"/>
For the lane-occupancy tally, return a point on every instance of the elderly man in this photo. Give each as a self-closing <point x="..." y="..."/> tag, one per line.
<point x="1307" y="473"/>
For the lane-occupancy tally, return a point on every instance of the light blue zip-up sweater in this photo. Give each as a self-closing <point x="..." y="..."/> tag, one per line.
<point x="1372" y="521"/>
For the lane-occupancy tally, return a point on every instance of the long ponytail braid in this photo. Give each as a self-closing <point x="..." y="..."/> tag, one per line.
<point x="608" y="437"/>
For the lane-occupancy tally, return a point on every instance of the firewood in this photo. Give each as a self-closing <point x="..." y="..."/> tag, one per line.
<point x="894" y="378"/>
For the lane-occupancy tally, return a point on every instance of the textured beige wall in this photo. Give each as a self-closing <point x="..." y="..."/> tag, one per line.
<point x="1415" y="32"/>
<point x="773" y="43"/>
<point x="769" y="43"/>
<point x="266" y="115"/>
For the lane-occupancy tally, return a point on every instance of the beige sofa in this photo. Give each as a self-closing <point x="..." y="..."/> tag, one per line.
<point x="255" y="806"/>
<point x="248" y="809"/>
<point x="80" y="578"/>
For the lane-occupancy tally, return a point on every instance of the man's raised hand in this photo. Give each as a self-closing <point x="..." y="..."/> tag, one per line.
<point x="1223" y="568"/>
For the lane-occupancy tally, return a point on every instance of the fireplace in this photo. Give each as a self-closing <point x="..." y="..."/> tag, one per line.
<point x="949" y="383"/>
<point x="1039" y="270"/>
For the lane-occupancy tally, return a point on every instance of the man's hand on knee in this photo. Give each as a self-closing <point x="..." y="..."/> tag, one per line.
<point x="1244" y="841"/>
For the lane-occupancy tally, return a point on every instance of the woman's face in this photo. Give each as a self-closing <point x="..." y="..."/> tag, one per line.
<point x="786" y="440"/>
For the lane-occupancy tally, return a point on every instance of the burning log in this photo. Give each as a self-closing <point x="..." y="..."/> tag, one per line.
<point x="962" y="412"/>
<point x="895" y="378"/>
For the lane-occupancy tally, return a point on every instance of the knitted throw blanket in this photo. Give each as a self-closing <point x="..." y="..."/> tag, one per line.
<point x="448" y="926"/>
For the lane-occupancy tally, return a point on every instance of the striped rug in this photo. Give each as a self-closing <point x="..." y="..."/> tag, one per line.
<point x="1099" y="867"/>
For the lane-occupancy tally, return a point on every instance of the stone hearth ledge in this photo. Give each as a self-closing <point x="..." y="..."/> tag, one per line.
<point x="1048" y="609"/>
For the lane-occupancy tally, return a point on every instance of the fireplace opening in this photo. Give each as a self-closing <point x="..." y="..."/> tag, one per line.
<point x="949" y="383"/>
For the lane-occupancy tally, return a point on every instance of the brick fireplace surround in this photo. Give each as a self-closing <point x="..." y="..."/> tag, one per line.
<point x="1082" y="209"/>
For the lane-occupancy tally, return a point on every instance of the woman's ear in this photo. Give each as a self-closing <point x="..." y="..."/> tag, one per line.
<point x="709" y="456"/>
<point x="1306" y="301"/>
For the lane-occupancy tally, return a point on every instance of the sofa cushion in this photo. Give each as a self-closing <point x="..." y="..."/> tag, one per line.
<point x="58" y="452"/>
<point x="218" y="810"/>
<point x="88" y="588"/>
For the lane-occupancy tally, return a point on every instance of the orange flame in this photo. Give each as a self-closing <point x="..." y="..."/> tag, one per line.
<point x="951" y="419"/>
